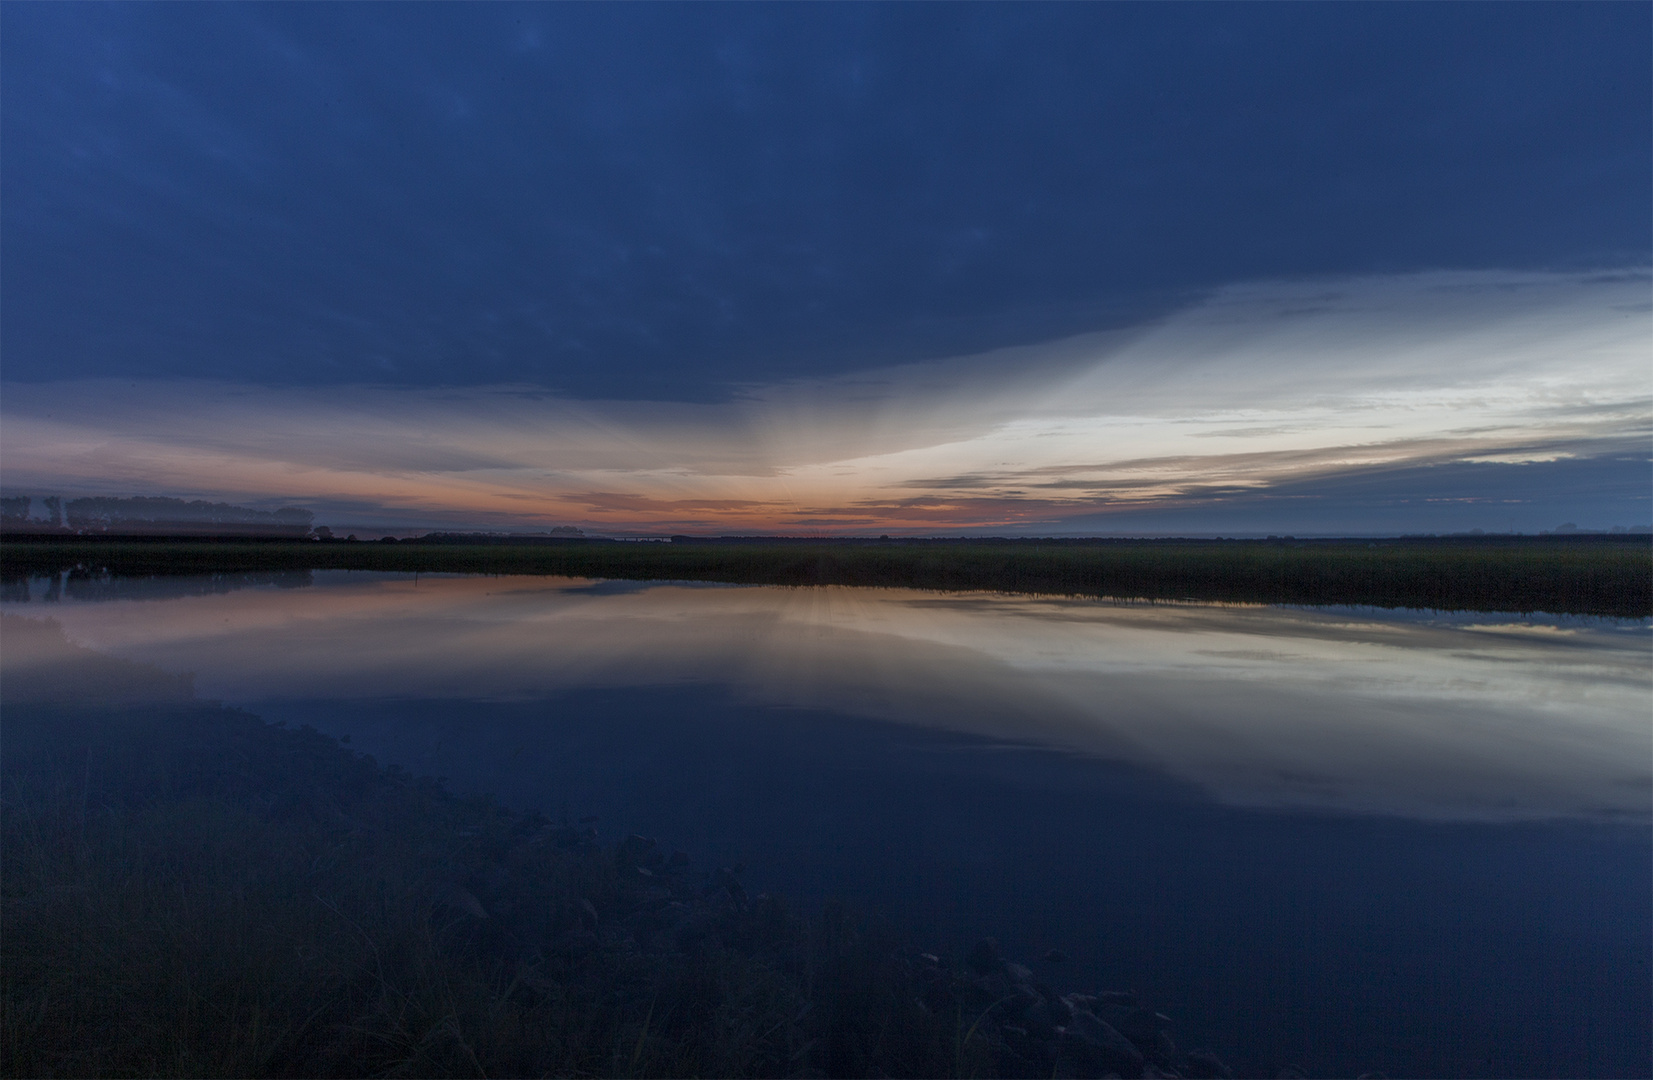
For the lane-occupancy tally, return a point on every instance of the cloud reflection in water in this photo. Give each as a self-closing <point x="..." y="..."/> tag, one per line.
<point x="1477" y="719"/>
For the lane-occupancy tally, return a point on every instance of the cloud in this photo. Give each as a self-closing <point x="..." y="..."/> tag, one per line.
<point x="1260" y="390"/>
<point x="626" y="202"/>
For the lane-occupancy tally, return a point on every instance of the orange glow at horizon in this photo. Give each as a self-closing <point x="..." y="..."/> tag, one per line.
<point x="1255" y="387"/>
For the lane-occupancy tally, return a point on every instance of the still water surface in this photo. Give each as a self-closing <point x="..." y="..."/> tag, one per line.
<point x="1359" y="840"/>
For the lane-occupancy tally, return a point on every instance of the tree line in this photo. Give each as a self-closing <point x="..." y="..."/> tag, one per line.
<point x="102" y="513"/>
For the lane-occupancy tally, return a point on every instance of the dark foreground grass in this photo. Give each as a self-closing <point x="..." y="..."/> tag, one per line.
<point x="1606" y="576"/>
<point x="188" y="891"/>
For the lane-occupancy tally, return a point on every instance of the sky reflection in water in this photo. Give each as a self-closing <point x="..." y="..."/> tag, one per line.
<point x="1464" y="717"/>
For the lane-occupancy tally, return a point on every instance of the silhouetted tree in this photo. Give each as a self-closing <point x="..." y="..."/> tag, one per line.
<point x="15" y="508"/>
<point x="104" y="512"/>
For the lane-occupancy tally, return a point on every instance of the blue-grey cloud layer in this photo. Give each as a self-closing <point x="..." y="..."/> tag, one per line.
<point x="1448" y="400"/>
<point x="1591" y="492"/>
<point x="652" y="201"/>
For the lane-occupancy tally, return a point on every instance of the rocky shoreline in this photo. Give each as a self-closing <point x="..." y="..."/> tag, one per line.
<point x="660" y="909"/>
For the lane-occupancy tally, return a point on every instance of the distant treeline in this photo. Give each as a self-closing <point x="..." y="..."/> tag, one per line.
<point x="146" y="514"/>
<point x="1591" y="575"/>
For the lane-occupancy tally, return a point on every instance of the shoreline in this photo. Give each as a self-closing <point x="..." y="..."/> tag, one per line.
<point x="1594" y="575"/>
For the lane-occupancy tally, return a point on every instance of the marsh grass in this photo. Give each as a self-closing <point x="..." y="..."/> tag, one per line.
<point x="1590" y="575"/>
<point x="188" y="891"/>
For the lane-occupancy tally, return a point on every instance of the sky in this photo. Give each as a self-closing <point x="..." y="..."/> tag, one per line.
<point x="839" y="268"/>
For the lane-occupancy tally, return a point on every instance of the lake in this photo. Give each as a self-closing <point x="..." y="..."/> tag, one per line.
<point x="1361" y="840"/>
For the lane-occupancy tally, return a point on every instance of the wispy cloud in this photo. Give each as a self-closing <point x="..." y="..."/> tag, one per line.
<point x="1256" y="389"/>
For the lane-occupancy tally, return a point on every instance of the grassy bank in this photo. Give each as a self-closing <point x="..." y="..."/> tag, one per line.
<point x="1585" y="575"/>
<point x="188" y="891"/>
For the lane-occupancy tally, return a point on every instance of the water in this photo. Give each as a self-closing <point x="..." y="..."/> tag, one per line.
<point x="1355" y="839"/>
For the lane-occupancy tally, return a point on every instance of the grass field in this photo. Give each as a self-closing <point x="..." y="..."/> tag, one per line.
<point x="1595" y="575"/>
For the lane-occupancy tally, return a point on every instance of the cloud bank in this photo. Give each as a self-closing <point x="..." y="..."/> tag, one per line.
<point x="646" y="202"/>
<point x="1415" y="402"/>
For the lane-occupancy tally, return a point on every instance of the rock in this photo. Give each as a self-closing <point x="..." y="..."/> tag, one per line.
<point x="1143" y="1027"/>
<point x="655" y="898"/>
<point x="1042" y="1021"/>
<point x="1018" y="974"/>
<point x="530" y="824"/>
<point x="724" y="880"/>
<point x="633" y="851"/>
<point x="571" y="838"/>
<point x="1292" y="1072"/>
<point x="769" y="921"/>
<point x="981" y="991"/>
<point x="1096" y="1042"/>
<point x="984" y="957"/>
<point x="1012" y="1006"/>
<point x="678" y="863"/>
<point x="1019" y="1058"/>
<point x="459" y="899"/>
<point x="1113" y="1014"/>
<point x="533" y="978"/>
<point x="1066" y="1067"/>
<point x="1118" y="997"/>
<point x="652" y="914"/>
<point x="1059" y="1008"/>
<point x="697" y="931"/>
<point x="1204" y="1065"/>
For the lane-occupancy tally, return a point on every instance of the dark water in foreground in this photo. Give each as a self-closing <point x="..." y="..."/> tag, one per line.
<point x="1354" y="840"/>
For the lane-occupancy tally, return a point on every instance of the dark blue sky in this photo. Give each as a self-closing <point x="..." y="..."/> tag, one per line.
<point x="654" y="201"/>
